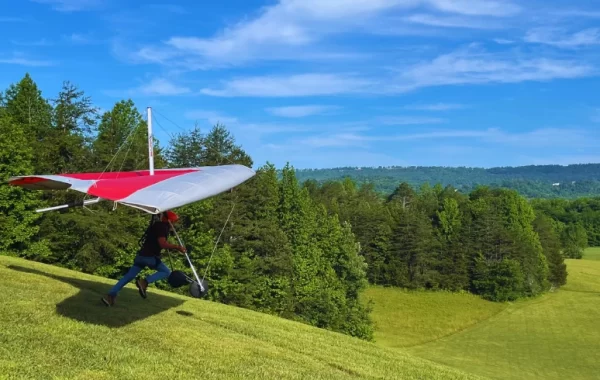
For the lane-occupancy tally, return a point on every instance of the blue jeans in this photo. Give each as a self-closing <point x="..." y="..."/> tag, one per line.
<point x="138" y="264"/>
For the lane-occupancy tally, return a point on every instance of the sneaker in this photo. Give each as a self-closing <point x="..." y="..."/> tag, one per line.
<point x="142" y="284"/>
<point x="108" y="300"/>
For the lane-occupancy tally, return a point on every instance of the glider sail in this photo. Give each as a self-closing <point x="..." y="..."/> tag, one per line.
<point x="152" y="191"/>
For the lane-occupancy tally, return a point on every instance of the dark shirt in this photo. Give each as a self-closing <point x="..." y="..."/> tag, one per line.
<point x="151" y="247"/>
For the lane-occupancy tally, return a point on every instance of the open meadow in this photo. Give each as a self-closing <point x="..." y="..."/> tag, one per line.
<point x="550" y="337"/>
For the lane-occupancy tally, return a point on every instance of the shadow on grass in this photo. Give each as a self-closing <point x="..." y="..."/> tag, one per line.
<point x="86" y="306"/>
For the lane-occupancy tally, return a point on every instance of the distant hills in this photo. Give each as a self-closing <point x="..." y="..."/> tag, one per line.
<point x="533" y="181"/>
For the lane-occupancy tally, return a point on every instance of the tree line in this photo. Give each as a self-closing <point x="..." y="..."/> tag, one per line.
<point x="535" y="181"/>
<point x="490" y="241"/>
<point x="302" y="250"/>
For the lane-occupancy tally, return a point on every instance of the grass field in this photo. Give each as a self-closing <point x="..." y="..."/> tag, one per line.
<point x="54" y="326"/>
<point x="406" y="318"/>
<point x="555" y="336"/>
<point x="592" y="254"/>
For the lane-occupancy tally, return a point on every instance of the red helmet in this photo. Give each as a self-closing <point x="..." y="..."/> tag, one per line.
<point x="170" y="216"/>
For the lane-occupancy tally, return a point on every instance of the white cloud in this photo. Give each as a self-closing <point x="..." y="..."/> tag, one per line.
<point x="336" y="140"/>
<point x="464" y="66"/>
<point x="503" y="41"/>
<point x="470" y="67"/>
<point x="161" y="86"/>
<point x="156" y="87"/>
<point x="285" y="29"/>
<point x="243" y="127"/>
<point x="538" y="138"/>
<point x="300" y="111"/>
<point x="21" y="60"/>
<point x="452" y="22"/>
<point x="436" y="107"/>
<point x="409" y="120"/>
<point x="211" y="116"/>
<point x="560" y="38"/>
<point x="71" y="5"/>
<point x="78" y="38"/>
<point x="477" y="7"/>
<point x="294" y="85"/>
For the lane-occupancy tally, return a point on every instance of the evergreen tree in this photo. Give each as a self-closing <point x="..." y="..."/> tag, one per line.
<point x="18" y="219"/>
<point x="27" y="108"/>
<point x="551" y="245"/>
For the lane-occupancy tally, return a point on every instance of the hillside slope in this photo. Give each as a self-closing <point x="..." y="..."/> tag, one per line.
<point x="54" y="325"/>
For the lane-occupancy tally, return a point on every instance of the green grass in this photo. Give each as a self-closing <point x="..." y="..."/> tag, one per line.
<point x="555" y="336"/>
<point x="406" y="318"/>
<point x="592" y="253"/>
<point x="54" y="326"/>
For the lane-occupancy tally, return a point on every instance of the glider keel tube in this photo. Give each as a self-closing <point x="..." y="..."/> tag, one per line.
<point x="70" y="205"/>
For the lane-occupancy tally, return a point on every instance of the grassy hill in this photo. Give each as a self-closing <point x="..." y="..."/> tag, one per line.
<point x="54" y="326"/>
<point x="552" y="337"/>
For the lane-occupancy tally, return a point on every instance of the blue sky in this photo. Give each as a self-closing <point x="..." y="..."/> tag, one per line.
<point x="327" y="83"/>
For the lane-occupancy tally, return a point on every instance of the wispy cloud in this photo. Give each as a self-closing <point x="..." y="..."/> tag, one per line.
<point x="71" y="5"/>
<point x="562" y="39"/>
<point x="409" y="120"/>
<point x="436" y="107"/>
<point x="22" y="60"/>
<point x="285" y="29"/>
<point x="463" y="66"/>
<point x="156" y="87"/>
<point x="468" y="66"/>
<point x="336" y="140"/>
<point x="300" y="111"/>
<point x="242" y="127"/>
<point x="79" y="38"/>
<point x="503" y="41"/>
<point x="210" y="116"/>
<point x="477" y="7"/>
<point x="294" y="85"/>
<point x="161" y="86"/>
<point x="453" y="22"/>
<point x="538" y="138"/>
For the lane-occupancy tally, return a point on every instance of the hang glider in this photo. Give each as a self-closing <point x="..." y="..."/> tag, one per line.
<point x="152" y="191"/>
<point x="164" y="190"/>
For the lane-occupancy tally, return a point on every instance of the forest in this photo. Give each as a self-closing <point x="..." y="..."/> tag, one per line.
<point x="534" y="181"/>
<point x="296" y="247"/>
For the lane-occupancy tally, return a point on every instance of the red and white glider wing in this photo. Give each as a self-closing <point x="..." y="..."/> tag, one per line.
<point x="166" y="189"/>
